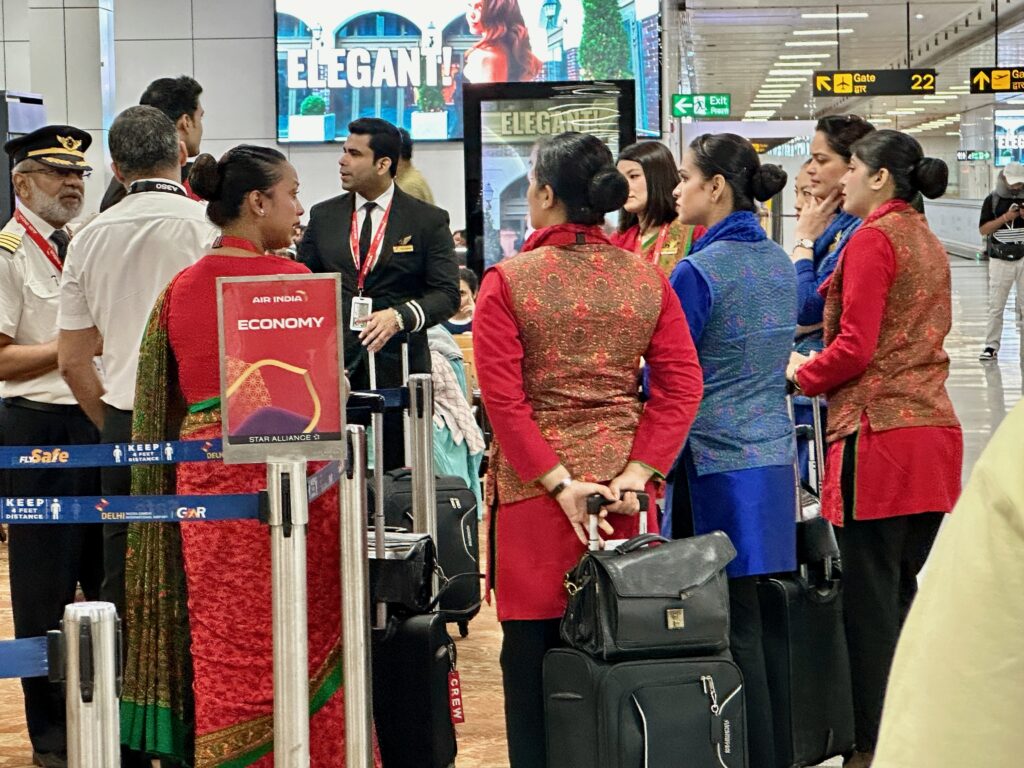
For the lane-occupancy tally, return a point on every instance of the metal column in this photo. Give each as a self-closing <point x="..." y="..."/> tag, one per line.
<point x="289" y="517"/>
<point x="90" y="644"/>
<point x="355" y="604"/>
<point x="421" y="429"/>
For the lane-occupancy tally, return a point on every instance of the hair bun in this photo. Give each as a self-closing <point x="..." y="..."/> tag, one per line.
<point x="767" y="181"/>
<point x="931" y="176"/>
<point x="608" y="190"/>
<point x="204" y="177"/>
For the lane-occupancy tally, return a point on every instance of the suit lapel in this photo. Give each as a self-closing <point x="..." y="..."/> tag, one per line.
<point x="393" y="233"/>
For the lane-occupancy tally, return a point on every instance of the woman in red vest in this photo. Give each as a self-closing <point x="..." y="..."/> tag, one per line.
<point x="558" y="334"/>
<point x="896" y="448"/>
<point x="648" y="223"/>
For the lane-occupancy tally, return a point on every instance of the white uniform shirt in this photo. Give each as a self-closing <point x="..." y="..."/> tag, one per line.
<point x="115" y="270"/>
<point x="29" y="294"/>
<point x="377" y="214"/>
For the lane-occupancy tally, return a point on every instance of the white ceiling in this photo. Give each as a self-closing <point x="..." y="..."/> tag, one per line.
<point x="732" y="46"/>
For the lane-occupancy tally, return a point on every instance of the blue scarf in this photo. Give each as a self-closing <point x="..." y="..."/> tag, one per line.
<point x="739" y="226"/>
<point x="841" y="225"/>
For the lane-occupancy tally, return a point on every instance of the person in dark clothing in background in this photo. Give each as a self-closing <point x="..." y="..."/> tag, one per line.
<point x="178" y="98"/>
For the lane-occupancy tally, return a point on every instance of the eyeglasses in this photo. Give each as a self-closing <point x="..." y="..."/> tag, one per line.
<point x="60" y="174"/>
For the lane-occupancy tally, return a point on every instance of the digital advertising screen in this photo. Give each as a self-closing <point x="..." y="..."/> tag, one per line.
<point x="1009" y="138"/>
<point x="408" y="61"/>
<point x="503" y="124"/>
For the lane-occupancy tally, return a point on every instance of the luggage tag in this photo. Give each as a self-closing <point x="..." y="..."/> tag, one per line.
<point x="362" y="307"/>
<point x="455" y="704"/>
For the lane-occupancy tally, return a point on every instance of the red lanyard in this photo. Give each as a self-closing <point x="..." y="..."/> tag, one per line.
<point x="46" y="246"/>
<point x="230" y="241"/>
<point x="373" y="253"/>
<point x="655" y="254"/>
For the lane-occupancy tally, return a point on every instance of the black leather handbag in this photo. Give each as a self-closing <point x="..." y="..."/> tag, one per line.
<point x="403" y="579"/>
<point x="639" y="601"/>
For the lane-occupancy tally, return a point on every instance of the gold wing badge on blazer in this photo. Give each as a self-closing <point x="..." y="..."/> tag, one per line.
<point x="403" y="246"/>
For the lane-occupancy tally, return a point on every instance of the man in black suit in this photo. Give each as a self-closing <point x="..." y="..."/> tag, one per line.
<point x="396" y="258"/>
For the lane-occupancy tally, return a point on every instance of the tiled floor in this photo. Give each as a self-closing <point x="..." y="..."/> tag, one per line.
<point x="981" y="392"/>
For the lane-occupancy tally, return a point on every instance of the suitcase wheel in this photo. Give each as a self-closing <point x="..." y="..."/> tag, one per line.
<point x="463" y="628"/>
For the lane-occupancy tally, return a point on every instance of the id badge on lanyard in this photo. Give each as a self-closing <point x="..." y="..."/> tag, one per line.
<point x="362" y="306"/>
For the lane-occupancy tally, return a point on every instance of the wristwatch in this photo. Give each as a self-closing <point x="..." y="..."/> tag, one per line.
<point x="399" y="319"/>
<point x="564" y="483"/>
<point x="805" y="242"/>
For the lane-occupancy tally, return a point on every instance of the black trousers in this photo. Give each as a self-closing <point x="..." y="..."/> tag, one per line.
<point x="745" y="643"/>
<point x="881" y="560"/>
<point x="523" y="646"/>
<point x="115" y="481"/>
<point x="48" y="562"/>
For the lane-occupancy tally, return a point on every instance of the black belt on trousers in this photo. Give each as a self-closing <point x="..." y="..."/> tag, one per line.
<point x="32" y="405"/>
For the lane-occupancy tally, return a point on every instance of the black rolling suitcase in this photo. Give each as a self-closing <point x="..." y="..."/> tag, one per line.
<point x="458" y="543"/>
<point x="411" y="664"/>
<point x="805" y="643"/>
<point x="661" y="712"/>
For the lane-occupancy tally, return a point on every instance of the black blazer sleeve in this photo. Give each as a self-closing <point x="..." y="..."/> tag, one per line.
<point x="440" y="297"/>
<point x="308" y="251"/>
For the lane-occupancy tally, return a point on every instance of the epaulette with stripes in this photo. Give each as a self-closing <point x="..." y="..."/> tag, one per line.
<point x="9" y="241"/>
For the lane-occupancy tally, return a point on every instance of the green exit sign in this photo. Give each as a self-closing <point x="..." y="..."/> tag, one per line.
<point x="701" y="104"/>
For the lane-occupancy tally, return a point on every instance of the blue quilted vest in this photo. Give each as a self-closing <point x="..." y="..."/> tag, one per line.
<point x="742" y="422"/>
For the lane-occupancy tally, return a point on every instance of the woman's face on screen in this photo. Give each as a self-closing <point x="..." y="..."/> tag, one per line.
<point x="474" y="16"/>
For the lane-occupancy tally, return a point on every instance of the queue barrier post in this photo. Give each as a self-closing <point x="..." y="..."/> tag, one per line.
<point x="288" y="519"/>
<point x="88" y="644"/>
<point x="421" y="417"/>
<point x="355" y="608"/>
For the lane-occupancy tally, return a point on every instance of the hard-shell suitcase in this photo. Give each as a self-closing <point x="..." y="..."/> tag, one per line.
<point x="662" y="712"/>
<point x="411" y="710"/>
<point x="805" y="643"/>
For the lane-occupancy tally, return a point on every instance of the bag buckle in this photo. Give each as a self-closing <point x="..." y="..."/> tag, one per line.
<point x="570" y="587"/>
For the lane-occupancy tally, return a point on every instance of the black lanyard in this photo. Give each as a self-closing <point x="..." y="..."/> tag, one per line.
<point x="148" y="185"/>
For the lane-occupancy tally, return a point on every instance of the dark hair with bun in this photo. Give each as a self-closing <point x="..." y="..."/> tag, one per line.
<point x="903" y="157"/>
<point x="734" y="158"/>
<point x="226" y="182"/>
<point x="843" y="131"/>
<point x="579" y="168"/>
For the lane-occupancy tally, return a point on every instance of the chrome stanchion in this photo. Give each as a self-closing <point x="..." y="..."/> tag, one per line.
<point x="421" y="414"/>
<point x="421" y="418"/>
<point x="379" y="523"/>
<point x="406" y="436"/>
<point x="89" y="643"/>
<point x="289" y="517"/>
<point x="355" y="604"/>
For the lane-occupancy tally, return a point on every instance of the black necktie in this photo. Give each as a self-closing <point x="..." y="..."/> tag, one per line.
<point x="366" y="231"/>
<point x="60" y="238"/>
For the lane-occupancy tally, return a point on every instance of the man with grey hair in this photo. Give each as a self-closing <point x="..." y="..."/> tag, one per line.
<point x="47" y="562"/>
<point x="116" y="268"/>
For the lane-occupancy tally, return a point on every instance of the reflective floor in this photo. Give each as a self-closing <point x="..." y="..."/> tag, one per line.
<point x="981" y="392"/>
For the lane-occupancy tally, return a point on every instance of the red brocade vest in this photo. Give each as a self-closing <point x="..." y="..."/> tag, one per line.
<point x="905" y="382"/>
<point x="586" y="314"/>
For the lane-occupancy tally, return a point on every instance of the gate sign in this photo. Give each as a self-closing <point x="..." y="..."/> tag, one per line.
<point x="972" y="155"/>
<point x="701" y="104"/>
<point x="280" y="367"/>
<point x="874" y="82"/>
<point x="997" y="79"/>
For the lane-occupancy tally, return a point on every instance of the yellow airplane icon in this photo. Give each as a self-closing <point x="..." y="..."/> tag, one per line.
<point x="843" y="82"/>
<point x="1000" y="79"/>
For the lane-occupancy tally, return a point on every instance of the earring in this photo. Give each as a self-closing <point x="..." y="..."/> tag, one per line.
<point x="262" y="212"/>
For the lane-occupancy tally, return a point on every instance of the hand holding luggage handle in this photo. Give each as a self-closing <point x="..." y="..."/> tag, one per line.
<point x="596" y="502"/>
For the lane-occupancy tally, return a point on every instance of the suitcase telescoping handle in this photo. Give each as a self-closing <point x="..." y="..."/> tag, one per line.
<point x="596" y="502"/>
